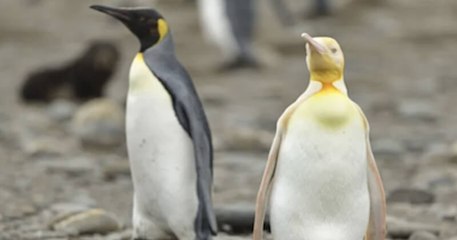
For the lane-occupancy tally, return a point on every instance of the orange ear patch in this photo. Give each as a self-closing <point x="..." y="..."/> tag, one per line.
<point x="163" y="28"/>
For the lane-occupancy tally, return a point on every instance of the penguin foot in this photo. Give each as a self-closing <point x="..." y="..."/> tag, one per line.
<point x="239" y="63"/>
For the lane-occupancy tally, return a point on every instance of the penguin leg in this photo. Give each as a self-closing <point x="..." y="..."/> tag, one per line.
<point x="145" y="228"/>
<point x="239" y="62"/>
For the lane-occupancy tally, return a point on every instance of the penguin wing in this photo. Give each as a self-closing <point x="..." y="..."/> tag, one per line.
<point x="265" y="185"/>
<point x="377" y="223"/>
<point x="268" y="174"/>
<point x="192" y="118"/>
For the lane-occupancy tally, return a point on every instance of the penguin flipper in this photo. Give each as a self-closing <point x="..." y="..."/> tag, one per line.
<point x="265" y="185"/>
<point x="268" y="174"/>
<point x="192" y="117"/>
<point x="377" y="223"/>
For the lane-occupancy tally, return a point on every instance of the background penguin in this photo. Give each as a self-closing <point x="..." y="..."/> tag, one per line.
<point x="230" y="25"/>
<point x="168" y="137"/>
<point x="83" y="78"/>
<point x="321" y="171"/>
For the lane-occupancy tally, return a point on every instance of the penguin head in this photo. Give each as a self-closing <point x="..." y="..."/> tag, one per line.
<point x="146" y="23"/>
<point x="324" y="58"/>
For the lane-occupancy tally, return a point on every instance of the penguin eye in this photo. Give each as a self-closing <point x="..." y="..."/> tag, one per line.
<point x="334" y="50"/>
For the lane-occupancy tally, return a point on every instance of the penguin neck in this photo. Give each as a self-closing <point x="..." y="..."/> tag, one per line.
<point x="164" y="46"/>
<point x="317" y="86"/>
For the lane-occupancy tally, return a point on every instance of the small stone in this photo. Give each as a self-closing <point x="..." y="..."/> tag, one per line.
<point x="400" y="228"/>
<point x="72" y="167"/>
<point x="115" y="169"/>
<point x="42" y="147"/>
<point x="94" y="221"/>
<point x="123" y="235"/>
<point x="453" y="153"/>
<point x="388" y="147"/>
<point x="68" y="207"/>
<point x="100" y="122"/>
<point x="61" y="110"/>
<point x="417" y="109"/>
<point x="422" y="235"/>
<point x="248" y="139"/>
<point x="413" y="196"/>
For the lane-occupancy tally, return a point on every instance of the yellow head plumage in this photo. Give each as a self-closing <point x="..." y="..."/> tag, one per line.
<point x="324" y="58"/>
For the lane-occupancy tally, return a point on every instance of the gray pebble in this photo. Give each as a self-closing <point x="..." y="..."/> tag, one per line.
<point x="388" y="147"/>
<point x="417" y="109"/>
<point x="122" y="235"/>
<point x="94" y="221"/>
<point x="61" y="110"/>
<point x="115" y="169"/>
<point x="453" y="153"/>
<point x="100" y="123"/>
<point x="422" y="235"/>
<point x="42" y="147"/>
<point x="410" y="195"/>
<point x="72" y="167"/>
<point x="247" y="139"/>
<point x="400" y="228"/>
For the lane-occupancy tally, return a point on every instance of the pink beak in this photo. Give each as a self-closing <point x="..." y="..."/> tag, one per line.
<point x="313" y="43"/>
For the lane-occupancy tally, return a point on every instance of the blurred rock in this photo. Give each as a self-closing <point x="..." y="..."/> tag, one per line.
<point x="222" y="236"/>
<point x="448" y="230"/>
<point x="20" y="211"/>
<point x="400" y="228"/>
<point x="6" y="132"/>
<point x="94" y="221"/>
<point x="247" y="139"/>
<point x="42" y="147"/>
<point x="422" y="235"/>
<point x="37" y="235"/>
<point x="413" y="196"/>
<point x="418" y="109"/>
<point x="72" y="167"/>
<point x="388" y="147"/>
<point x="453" y="152"/>
<point x="236" y="218"/>
<point x="100" y="122"/>
<point x="115" y="169"/>
<point x="68" y="207"/>
<point x="123" y="235"/>
<point x="61" y="110"/>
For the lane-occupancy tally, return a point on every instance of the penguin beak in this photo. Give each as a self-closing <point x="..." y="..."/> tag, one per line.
<point x="121" y="14"/>
<point x="313" y="43"/>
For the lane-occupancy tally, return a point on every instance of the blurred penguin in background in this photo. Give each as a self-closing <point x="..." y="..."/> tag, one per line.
<point x="229" y="24"/>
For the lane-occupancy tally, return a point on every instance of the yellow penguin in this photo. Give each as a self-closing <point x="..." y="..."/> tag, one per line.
<point x="321" y="172"/>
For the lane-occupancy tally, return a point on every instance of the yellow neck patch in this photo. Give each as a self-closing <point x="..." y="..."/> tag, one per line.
<point x="328" y="107"/>
<point x="141" y="79"/>
<point x="139" y="57"/>
<point x="163" y="28"/>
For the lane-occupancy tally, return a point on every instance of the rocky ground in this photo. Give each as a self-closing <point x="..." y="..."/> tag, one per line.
<point x="59" y="180"/>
